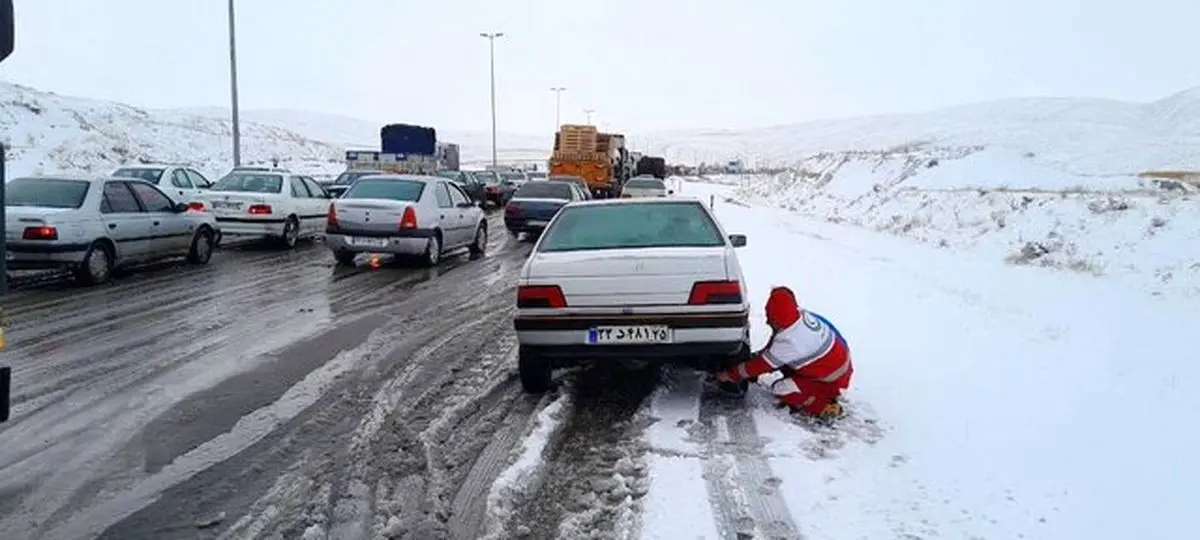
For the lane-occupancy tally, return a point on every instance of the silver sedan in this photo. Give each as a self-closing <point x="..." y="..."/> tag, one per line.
<point x="631" y="279"/>
<point x="402" y="214"/>
<point x="92" y="225"/>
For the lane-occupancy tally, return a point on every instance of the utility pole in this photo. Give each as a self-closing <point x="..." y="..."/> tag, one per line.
<point x="589" y="113"/>
<point x="233" y="91"/>
<point x="491" y="37"/>
<point x="558" y="90"/>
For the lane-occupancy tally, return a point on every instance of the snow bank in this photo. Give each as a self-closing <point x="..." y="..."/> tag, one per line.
<point x="1006" y="205"/>
<point x="1009" y="402"/>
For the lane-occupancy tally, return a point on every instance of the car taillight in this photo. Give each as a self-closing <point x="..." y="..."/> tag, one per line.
<point x="540" y="296"/>
<point x="40" y="233"/>
<point x="260" y="209"/>
<point x="716" y="292"/>
<point x="511" y="210"/>
<point x="331" y="217"/>
<point x="409" y="219"/>
<point x="197" y="206"/>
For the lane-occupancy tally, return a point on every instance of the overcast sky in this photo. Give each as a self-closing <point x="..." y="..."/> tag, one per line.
<point x="643" y="65"/>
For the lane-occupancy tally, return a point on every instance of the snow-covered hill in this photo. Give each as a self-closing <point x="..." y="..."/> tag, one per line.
<point x="48" y="133"/>
<point x="1085" y="136"/>
<point x="359" y="133"/>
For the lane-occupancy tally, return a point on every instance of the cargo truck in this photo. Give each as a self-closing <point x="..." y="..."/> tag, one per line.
<point x="652" y="166"/>
<point x="601" y="159"/>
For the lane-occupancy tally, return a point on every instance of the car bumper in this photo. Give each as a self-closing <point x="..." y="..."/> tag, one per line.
<point x="408" y="243"/>
<point x="526" y="225"/>
<point x="42" y="256"/>
<point x="695" y="338"/>
<point x="248" y="227"/>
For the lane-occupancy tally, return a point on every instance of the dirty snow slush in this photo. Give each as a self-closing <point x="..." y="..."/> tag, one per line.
<point x="594" y="470"/>
<point x="382" y="404"/>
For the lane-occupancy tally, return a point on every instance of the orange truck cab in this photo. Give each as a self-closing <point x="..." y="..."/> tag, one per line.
<point x="598" y="158"/>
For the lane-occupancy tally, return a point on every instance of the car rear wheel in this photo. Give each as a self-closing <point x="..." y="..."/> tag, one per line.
<point x="481" y="239"/>
<point x="96" y="266"/>
<point x="535" y="371"/>
<point x="202" y="247"/>
<point x="433" y="251"/>
<point x="291" y="232"/>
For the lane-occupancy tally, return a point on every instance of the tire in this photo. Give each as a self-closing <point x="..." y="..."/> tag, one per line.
<point x="291" y="233"/>
<point x="433" y="251"/>
<point x="97" y="264"/>
<point x="202" y="247"/>
<point x="535" y="371"/>
<point x="344" y="258"/>
<point x="480" y="244"/>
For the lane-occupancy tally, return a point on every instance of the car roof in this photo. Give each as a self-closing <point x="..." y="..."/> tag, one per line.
<point x="647" y="200"/>
<point x="151" y="166"/>
<point x="412" y="177"/>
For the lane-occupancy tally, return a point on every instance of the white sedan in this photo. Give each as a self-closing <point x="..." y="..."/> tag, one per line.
<point x="269" y="203"/>
<point x="92" y="225"/>
<point x="631" y="279"/>
<point x="404" y="214"/>
<point x="182" y="184"/>
<point x="645" y="186"/>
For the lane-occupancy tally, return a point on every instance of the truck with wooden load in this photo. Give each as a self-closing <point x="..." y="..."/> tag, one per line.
<point x="652" y="166"/>
<point x="601" y="159"/>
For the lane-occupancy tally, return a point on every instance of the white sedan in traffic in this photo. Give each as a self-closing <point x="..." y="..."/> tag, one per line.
<point x="404" y="214"/>
<point x="92" y="225"/>
<point x="645" y="186"/>
<point x="631" y="279"/>
<point x="269" y="203"/>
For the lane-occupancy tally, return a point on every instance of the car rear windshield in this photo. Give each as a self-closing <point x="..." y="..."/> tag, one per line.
<point x="621" y="226"/>
<point x="543" y="190"/>
<point x="348" y="178"/>
<point x="141" y="173"/>
<point x="46" y="192"/>
<point x="250" y="182"/>
<point x="646" y="183"/>
<point x="381" y="188"/>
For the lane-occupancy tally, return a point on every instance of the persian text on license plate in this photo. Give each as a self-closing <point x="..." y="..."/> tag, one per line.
<point x="604" y="335"/>
<point x="369" y="242"/>
<point x="226" y="204"/>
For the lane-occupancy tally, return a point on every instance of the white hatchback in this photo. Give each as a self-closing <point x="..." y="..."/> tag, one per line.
<point x="631" y="279"/>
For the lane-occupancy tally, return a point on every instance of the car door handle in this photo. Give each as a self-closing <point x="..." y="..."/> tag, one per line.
<point x="112" y="225"/>
<point x="155" y="223"/>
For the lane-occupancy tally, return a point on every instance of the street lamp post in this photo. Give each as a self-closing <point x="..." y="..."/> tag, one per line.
<point x="589" y="113"/>
<point x="558" y="90"/>
<point x="233" y="91"/>
<point x="491" y="37"/>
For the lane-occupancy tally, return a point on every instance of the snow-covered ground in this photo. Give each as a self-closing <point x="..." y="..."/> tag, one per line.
<point x="1005" y="205"/>
<point x="990" y="401"/>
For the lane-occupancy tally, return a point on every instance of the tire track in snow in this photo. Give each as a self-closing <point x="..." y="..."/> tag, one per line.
<point x="595" y="471"/>
<point x="742" y="489"/>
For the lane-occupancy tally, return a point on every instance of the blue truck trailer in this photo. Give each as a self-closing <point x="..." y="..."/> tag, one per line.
<point x="408" y="139"/>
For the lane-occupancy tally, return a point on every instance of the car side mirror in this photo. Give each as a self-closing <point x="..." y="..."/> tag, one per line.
<point x="180" y="207"/>
<point x="467" y="204"/>
<point x="738" y="240"/>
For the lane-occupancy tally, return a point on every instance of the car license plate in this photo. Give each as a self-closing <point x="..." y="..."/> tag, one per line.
<point x="607" y="335"/>
<point x="537" y="223"/>
<point x="226" y="204"/>
<point x="369" y="242"/>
